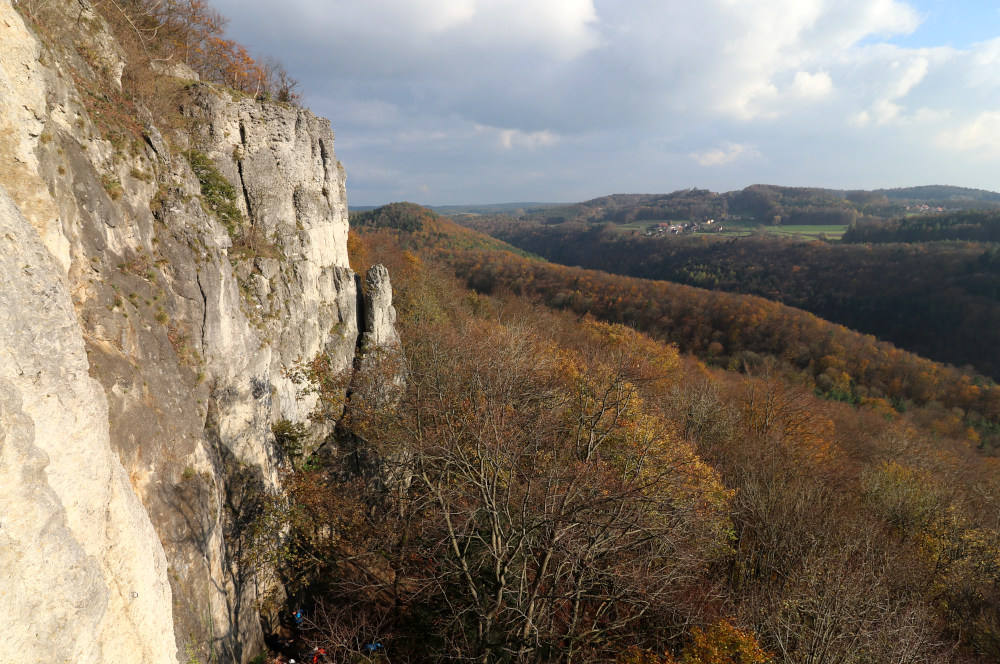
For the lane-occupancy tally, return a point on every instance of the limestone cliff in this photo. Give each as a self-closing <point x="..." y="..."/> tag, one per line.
<point x="84" y="573"/>
<point x="142" y="347"/>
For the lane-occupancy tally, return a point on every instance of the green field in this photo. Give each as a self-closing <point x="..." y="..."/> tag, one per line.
<point x="809" y="232"/>
<point x="736" y="229"/>
<point x="641" y="226"/>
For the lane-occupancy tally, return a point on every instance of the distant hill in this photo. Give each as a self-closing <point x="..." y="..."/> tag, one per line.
<point x="767" y="204"/>
<point x="516" y="209"/>
<point x="944" y="193"/>
<point x="422" y="227"/>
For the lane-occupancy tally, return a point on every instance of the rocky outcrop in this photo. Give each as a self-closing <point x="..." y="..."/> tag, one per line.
<point x="291" y="188"/>
<point x="144" y="348"/>
<point x="379" y="329"/>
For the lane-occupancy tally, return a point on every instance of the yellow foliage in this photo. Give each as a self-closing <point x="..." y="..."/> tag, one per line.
<point x="723" y="643"/>
<point x="720" y="643"/>
<point x="908" y="498"/>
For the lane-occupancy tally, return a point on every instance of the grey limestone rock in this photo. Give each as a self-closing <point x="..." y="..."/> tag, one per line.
<point x="380" y="316"/>
<point x="83" y="567"/>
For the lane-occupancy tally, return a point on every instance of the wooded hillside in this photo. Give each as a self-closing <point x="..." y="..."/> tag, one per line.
<point x="940" y="300"/>
<point x="582" y="491"/>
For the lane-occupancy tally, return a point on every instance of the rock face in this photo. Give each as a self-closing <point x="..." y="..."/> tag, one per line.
<point x="143" y="349"/>
<point x="85" y="565"/>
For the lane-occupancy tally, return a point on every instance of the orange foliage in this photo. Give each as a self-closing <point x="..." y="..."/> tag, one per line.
<point x="193" y="33"/>
<point x="837" y="513"/>
<point x="230" y="64"/>
<point x="357" y="253"/>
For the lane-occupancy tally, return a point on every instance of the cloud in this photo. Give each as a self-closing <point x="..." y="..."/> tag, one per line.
<point x="447" y="15"/>
<point x="515" y="138"/>
<point x="982" y="135"/>
<point x="383" y="34"/>
<point x="724" y="156"/>
<point x="579" y="64"/>
<point x="892" y="87"/>
<point x="566" y="84"/>
<point x="907" y="74"/>
<point x="812" y="86"/>
<point x="771" y="41"/>
<point x="984" y="59"/>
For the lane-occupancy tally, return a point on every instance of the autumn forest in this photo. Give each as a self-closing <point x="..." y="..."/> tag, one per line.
<point x="582" y="466"/>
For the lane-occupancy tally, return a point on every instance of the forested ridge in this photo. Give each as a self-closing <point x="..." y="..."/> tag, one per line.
<point x="582" y="490"/>
<point x="963" y="225"/>
<point x="941" y="195"/>
<point x="760" y="203"/>
<point x="721" y="328"/>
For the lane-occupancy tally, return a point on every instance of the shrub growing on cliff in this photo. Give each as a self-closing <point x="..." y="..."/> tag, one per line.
<point x="155" y="33"/>
<point x="289" y="437"/>
<point x="218" y="194"/>
<point x="112" y="186"/>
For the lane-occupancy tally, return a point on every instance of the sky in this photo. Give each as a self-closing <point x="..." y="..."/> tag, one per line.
<point x="489" y="101"/>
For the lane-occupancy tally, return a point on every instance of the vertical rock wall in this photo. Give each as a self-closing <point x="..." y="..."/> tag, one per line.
<point x="84" y="574"/>
<point x="143" y="353"/>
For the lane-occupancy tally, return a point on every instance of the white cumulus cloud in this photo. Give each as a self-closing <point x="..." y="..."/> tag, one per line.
<point x="812" y="86"/>
<point x="445" y="15"/>
<point x="982" y="135"/>
<point x="725" y="155"/>
<point x="515" y="138"/>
